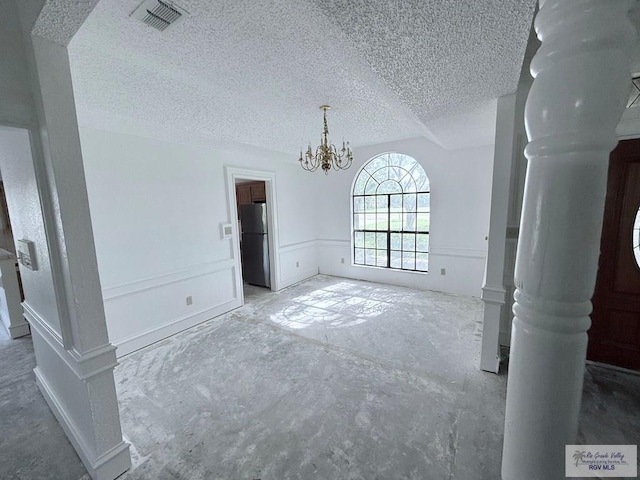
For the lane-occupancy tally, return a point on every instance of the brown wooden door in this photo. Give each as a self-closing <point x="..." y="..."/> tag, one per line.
<point x="614" y="337"/>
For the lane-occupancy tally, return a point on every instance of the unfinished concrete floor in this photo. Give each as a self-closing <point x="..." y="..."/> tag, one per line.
<point x="328" y="379"/>
<point x="32" y="443"/>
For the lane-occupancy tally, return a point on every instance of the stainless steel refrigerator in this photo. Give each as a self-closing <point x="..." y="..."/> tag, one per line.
<point x="255" y="244"/>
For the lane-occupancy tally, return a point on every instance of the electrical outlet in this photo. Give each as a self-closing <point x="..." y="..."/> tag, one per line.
<point x="189" y="300"/>
<point x="443" y="271"/>
<point x="297" y="264"/>
<point x="342" y="260"/>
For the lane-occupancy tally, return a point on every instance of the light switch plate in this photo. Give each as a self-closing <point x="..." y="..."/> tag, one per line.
<point x="226" y="230"/>
<point x="27" y="254"/>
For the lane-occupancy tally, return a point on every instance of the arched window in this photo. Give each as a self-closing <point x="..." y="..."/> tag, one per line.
<point x="391" y="208"/>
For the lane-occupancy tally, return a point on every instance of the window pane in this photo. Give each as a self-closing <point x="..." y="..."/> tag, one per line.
<point x="396" y="203"/>
<point x="409" y="203"/>
<point x="396" y="259"/>
<point x="396" y="241"/>
<point x="389" y="186"/>
<point x="420" y="178"/>
<point x="383" y="221"/>
<point x="408" y="183"/>
<point x="370" y="223"/>
<point x="408" y="241"/>
<point x="381" y="175"/>
<point x="371" y="186"/>
<point x="358" y="188"/>
<point x="381" y="259"/>
<point x="359" y="256"/>
<point x="358" y="204"/>
<point x="409" y="222"/>
<point x="377" y="163"/>
<point x="423" y="222"/>
<point x="370" y="240"/>
<point x="422" y="262"/>
<point x="408" y="260"/>
<point x="359" y="240"/>
<point x="403" y="161"/>
<point x="358" y="221"/>
<point x="422" y="242"/>
<point x="636" y="238"/>
<point x="396" y="221"/>
<point x="424" y="202"/>
<point x="370" y="204"/>
<point x="370" y="256"/>
<point x="396" y="174"/>
<point x="381" y="241"/>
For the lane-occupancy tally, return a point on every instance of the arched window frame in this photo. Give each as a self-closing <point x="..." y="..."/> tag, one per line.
<point x="390" y="211"/>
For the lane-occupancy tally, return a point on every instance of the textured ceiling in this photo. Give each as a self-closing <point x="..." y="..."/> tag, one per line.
<point x="59" y="21"/>
<point x="256" y="72"/>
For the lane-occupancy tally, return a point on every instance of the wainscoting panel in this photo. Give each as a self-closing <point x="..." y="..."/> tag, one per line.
<point x="141" y="313"/>
<point x="298" y="262"/>
<point x="451" y="270"/>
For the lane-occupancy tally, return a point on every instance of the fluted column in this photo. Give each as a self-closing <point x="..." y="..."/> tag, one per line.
<point x="581" y="84"/>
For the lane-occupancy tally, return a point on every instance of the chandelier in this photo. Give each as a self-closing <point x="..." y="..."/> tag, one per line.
<point x="327" y="155"/>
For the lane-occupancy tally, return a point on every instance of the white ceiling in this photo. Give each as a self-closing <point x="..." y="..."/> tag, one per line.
<point x="256" y="71"/>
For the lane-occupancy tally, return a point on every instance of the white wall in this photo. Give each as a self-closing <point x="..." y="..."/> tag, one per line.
<point x="23" y="201"/>
<point x="460" y="203"/>
<point x="16" y="103"/>
<point x="156" y="210"/>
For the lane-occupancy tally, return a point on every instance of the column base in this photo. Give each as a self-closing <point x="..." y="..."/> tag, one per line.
<point x="107" y="466"/>
<point x="80" y="390"/>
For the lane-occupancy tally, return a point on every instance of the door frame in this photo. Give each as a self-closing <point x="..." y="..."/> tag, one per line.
<point x="237" y="173"/>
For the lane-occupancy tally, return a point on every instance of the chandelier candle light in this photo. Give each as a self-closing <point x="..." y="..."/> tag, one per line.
<point x="327" y="155"/>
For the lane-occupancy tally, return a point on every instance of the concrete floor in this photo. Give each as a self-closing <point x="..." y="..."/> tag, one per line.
<point x="32" y="443"/>
<point x="329" y="379"/>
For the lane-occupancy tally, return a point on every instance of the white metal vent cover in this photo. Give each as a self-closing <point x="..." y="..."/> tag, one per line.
<point x="159" y="14"/>
<point x="634" y="96"/>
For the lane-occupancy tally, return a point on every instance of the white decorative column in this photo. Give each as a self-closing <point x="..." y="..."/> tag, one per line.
<point x="493" y="291"/>
<point x="581" y="84"/>
<point x="43" y="173"/>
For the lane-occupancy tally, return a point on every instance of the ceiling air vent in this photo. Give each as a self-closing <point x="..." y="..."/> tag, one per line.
<point x="159" y="14"/>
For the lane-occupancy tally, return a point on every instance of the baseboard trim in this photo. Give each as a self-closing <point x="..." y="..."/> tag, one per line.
<point x="153" y="335"/>
<point x="19" y="330"/>
<point x="107" y="466"/>
<point x="615" y="368"/>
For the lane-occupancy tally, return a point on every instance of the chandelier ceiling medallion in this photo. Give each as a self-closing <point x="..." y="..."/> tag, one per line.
<point x="327" y="155"/>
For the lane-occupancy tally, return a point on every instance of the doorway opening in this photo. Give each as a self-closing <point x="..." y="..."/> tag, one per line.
<point x="15" y="147"/>
<point x="252" y="205"/>
<point x="253" y="232"/>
